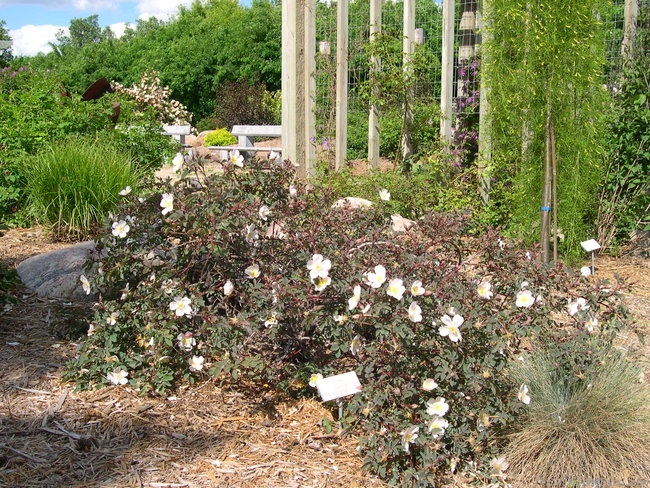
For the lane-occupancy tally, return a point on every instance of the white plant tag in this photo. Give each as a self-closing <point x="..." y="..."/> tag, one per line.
<point x="338" y="386"/>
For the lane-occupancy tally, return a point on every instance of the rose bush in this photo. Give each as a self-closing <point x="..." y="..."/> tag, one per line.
<point x="249" y="274"/>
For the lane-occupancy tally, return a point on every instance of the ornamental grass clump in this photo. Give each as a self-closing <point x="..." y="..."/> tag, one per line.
<point x="73" y="185"/>
<point x="252" y="278"/>
<point x="599" y="427"/>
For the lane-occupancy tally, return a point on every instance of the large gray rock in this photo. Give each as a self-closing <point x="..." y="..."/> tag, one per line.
<point x="56" y="274"/>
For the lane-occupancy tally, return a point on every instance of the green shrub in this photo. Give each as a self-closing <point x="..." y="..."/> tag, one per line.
<point x="357" y="135"/>
<point x="207" y="123"/>
<point x="272" y="105"/>
<point x="425" y="130"/>
<point x="246" y="276"/>
<point x="74" y="185"/>
<point x="145" y="143"/>
<point x="12" y="195"/>
<point x="411" y="194"/>
<point x="434" y="184"/>
<point x="36" y="113"/>
<point x="599" y="427"/>
<point x="625" y="188"/>
<point x="220" y="137"/>
<point x="244" y="103"/>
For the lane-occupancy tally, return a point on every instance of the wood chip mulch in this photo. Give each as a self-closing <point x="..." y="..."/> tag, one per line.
<point x="204" y="436"/>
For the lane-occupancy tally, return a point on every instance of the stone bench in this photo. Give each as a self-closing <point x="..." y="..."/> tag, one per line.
<point x="177" y="132"/>
<point x="245" y="135"/>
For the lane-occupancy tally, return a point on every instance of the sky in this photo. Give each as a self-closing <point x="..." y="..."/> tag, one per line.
<point x="34" y="23"/>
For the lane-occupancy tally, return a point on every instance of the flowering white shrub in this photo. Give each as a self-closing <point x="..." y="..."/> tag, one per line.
<point x="210" y="289"/>
<point x="149" y="93"/>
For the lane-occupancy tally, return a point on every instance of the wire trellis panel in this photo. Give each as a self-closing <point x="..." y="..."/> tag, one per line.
<point x="426" y="85"/>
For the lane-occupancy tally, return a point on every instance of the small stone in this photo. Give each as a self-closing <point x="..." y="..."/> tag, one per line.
<point x="401" y="224"/>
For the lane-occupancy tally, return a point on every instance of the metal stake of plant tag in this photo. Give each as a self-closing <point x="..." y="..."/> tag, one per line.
<point x="591" y="246"/>
<point x="338" y="386"/>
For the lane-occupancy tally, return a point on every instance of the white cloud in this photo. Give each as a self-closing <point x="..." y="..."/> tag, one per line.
<point x="119" y="28"/>
<point x="81" y="4"/>
<point x="30" y="40"/>
<point x="161" y="9"/>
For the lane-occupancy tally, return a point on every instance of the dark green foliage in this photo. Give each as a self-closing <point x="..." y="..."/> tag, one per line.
<point x="207" y="123"/>
<point x="34" y="114"/>
<point x="37" y="115"/>
<point x="146" y="145"/>
<point x="5" y="54"/>
<point x="205" y="45"/>
<point x="82" y="32"/>
<point x="240" y="103"/>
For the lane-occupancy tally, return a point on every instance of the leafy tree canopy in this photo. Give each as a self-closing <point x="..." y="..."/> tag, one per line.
<point x="203" y="46"/>
<point x="5" y="53"/>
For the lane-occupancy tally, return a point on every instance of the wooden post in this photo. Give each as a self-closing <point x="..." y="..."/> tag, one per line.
<point x="629" y="30"/>
<point x="466" y="37"/>
<point x="407" y="64"/>
<point x="554" y="188"/>
<point x="310" y="88"/>
<point x="375" y="66"/>
<point x="484" y="125"/>
<point x="447" y="70"/>
<point x="546" y="196"/>
<point x="341" y="84"/>
<point x="298" y="51"/>
<point x="289" y="95"/>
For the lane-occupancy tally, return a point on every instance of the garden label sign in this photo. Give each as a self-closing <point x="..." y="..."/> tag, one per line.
<point x="337" y="387"/>
<point x="591" y="246"/>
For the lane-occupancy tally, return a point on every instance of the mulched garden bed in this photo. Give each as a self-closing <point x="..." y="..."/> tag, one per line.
<point x="203" y="436"/>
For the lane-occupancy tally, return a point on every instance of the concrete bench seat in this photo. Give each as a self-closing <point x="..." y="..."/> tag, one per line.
<point x="246" y="133"/>
<point x="177" y="132"/>
<point x="244" y="150"/>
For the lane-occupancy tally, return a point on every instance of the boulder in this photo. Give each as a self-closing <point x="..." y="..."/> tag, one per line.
<point x="401" y="224"/>
<point x="56" y="274"/>
<point x="352" y="202"/>
<point x="197" y="140"/>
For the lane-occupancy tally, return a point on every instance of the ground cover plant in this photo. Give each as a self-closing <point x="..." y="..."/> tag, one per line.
<point x="251" y="277"/>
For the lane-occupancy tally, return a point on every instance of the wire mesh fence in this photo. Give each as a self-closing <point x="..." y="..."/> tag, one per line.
<point x="425" y="81"/>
